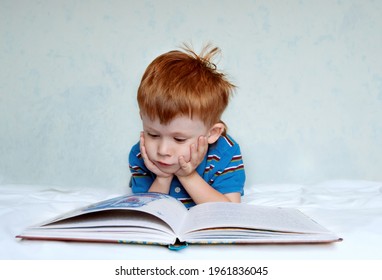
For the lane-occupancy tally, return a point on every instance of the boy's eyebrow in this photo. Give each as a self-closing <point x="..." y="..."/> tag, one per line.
<point x="177" y="133"/>
<point x="173" y="133"/>
<point x="147" y="126"/>
<point x="150" y="130"/>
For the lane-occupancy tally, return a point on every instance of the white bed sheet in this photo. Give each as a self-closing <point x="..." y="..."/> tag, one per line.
<point x="351" y="209"/>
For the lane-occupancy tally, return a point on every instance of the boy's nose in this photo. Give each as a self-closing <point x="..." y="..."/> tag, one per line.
<point x="164" y="148"/>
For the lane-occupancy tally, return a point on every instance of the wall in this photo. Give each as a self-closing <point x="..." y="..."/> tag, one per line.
<point x="309" y="77"/>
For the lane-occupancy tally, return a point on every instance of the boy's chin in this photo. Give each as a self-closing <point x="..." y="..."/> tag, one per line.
<point x="168" y="169"/>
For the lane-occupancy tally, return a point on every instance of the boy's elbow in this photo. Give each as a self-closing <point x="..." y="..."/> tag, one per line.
<point x="233" y="197"/>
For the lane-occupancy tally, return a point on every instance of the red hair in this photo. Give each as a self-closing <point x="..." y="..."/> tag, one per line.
<point x="184" y="83"/>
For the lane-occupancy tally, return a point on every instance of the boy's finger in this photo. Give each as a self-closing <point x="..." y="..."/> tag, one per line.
<point x="202" y="145"/>
<point x="182" y="162"/>
<point x="185" y="166"/>
<point x="195" y="154"/>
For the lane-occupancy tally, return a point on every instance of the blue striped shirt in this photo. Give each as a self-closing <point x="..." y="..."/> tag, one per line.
<point x="222" y="168"/>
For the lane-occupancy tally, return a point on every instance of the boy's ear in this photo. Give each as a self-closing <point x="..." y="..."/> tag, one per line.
<point x="214" y="133"/>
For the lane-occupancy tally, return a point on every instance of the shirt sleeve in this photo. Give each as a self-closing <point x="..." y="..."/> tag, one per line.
<point x="229" y="176"/>
<point x="141" y="178"/>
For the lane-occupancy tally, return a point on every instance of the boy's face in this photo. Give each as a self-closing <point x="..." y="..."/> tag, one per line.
<point x="166" y="143"/>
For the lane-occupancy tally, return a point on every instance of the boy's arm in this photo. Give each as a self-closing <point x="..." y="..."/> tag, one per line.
<point x="161" y="185"/>
<point x="201" y="191"/>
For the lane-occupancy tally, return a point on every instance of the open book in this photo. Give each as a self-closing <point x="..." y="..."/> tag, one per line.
<point x="153" y="218"/>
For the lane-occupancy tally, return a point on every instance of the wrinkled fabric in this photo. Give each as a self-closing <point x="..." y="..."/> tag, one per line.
<point x="351" y="209"/>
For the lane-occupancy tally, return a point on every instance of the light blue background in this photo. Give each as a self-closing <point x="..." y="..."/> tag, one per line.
<point x="309" y="77"/>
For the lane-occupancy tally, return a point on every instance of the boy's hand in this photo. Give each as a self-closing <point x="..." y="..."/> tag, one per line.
<point x="149" y="164"/>
<point x="197" y="155"/>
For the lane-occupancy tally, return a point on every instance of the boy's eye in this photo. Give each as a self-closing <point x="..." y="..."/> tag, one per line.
<point x="180" y="140"/>
<point x="152" y="135"/>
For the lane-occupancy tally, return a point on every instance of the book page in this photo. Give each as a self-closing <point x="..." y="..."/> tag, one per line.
<point x="162" y="206"/>
<point x="112" y="225"/>
<point x="117" y="219"/>
<point x="231" y="215"/>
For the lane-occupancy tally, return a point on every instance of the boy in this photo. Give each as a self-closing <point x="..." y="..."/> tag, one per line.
<point x="184" y="150"/>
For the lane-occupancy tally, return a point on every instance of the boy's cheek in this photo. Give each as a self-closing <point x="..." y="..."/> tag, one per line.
<point x="186" y="154"/>
<point x="187" y="158"/>
<point x="149" y="148"/>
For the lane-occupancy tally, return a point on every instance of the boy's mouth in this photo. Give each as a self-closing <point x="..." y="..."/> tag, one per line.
<point x="163" y="164"/>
